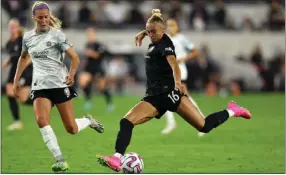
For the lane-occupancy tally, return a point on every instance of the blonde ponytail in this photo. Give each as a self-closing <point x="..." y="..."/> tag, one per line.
<point x="54" y="22"/>
<point x="156" y="16"/>
<point x="156" y="12"/>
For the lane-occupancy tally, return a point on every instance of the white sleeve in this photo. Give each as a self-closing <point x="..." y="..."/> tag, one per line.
<point x="24" y="45"/>
<point x="63" y="41"/>
<point x="188" y="45"/>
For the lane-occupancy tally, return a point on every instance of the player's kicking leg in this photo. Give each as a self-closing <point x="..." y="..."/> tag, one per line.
<point x="139" y="114"/>
<point x="189" y="113"/>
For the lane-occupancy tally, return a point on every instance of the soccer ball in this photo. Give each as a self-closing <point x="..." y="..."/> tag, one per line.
<point x="131" y="163"/>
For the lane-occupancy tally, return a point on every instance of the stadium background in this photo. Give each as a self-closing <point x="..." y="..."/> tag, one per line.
<point x="242" y="49"/>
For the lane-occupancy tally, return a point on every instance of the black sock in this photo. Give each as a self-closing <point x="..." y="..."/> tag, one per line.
<point x="87" y="91"/>
<point x="14" y="108"/>
<point x="124" y="136"/>
<point x="107" y="96"/>
<point x="214" y="120"/>
<point x="29" y="102"/>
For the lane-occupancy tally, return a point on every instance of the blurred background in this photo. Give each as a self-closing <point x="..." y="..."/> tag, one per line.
<point x="241" y="57"/>
<point x="241" y="42"/>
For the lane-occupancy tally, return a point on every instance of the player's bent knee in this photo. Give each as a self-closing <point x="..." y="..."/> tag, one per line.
<point x="125" y="124"/>
<point x="71" y="129"/>
<point x="42" y="121"/>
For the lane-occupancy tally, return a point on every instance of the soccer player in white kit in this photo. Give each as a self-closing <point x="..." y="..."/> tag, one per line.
<point x="185" y="50"/>
<point x="52" y="82"/>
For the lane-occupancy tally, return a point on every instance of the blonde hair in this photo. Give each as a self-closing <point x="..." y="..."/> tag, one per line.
<point x="20" y="28"/>
<point x="54" y="22"/>
<point x="156" y="17"/>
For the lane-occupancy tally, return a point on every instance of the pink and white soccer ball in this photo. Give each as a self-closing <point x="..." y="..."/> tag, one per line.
<point x="131" y="163"/>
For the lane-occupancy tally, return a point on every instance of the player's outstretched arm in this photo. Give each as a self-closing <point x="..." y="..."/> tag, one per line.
<point x="6" y="63"/>
<point x="191" y="55"/>
<point x="139" y="37"/>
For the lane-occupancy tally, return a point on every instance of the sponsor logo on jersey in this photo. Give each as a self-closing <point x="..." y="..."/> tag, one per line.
<point x="49" y="44"/>
<point x="169" y="49"/>
<point x="40" y="55"/>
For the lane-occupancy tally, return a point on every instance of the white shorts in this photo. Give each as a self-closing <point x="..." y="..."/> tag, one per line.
<point x="184" y="72"/>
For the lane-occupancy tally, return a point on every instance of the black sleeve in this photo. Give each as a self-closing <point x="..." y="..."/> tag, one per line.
<point x="168" y="49"/>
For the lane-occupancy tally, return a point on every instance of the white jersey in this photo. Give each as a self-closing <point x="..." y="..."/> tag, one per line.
<point x="182" y="48"/>
<point x="47" y="51"/>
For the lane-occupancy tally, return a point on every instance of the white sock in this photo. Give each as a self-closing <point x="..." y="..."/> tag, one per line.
<point x="196" y="105"/>
<point x="170" y="118"/>
<point x="82" y="123"/>
<point x="230" y="112"/>
<point x="50" y="140"/>
<point x="118" y="155"/>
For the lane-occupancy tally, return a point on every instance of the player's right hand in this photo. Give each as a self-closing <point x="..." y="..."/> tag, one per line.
<point x="16" y="88"/>
<point x="139" y="38"/>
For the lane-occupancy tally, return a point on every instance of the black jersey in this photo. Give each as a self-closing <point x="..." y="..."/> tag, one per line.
<point x="158" y="70"/>
<point x="95" y="46"/>
<point x="14" y="49"/>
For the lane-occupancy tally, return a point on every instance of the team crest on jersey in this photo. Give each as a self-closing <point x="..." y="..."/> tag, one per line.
<point x="67" y="92"/>
<point x="151" y="48"/>
<point x="48" y="43"/>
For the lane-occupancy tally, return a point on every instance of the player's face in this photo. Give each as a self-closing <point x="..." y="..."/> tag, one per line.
<point x="155" y="31"/>
<point x="14" y="27"/>
<point x="172" y="27"/>
<point x="90" y="33"/>
<point x="42" y="18"/>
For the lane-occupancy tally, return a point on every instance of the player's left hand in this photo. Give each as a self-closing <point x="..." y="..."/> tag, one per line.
<point x="69" y="80"/>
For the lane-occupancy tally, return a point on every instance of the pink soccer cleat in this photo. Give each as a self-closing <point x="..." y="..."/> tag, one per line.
<point x="238" y="110"/>
<point x="109" y="161"/>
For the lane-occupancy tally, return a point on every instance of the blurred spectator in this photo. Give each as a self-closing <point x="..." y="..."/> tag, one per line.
<point x="247" y="24"/>
<point x="199" y="16"/>
<point x="116" y="11"/>
<point x="220" y="13"/>
<point x="84" y="14"/>
<point x="135" y="16"/>
<point x="176" y="11"/>
<point x="117" y="73"/>
<point x="257" y="61"/>
<point x="64" y="15"/>
<point x="257" y="58"/>
<point x="276" y="16"/>
<point x="279" y="79"/>
<point x="17" y="9"/>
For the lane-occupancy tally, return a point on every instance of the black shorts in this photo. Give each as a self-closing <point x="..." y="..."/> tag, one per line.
<point x="168" y="101"/>
<point x="95" y="70"/>
<point x="25" y="80"/>
<point x="56" y="95"/>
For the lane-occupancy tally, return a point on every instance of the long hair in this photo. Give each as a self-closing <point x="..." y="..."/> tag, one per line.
<point x="21" y="29"/>
<point x="54" y="22"/>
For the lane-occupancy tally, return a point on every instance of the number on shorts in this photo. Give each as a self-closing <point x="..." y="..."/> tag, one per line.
<point x="32" y="95"/>
<point x="174" y="97"/>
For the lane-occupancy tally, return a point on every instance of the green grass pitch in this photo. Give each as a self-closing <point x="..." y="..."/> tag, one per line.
<point x="238" y="146"/>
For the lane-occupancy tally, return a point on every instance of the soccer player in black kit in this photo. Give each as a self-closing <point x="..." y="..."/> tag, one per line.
<point x="13" y="47"/>
<point x="164" y="92"/>
<point x="93" y="69"/>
